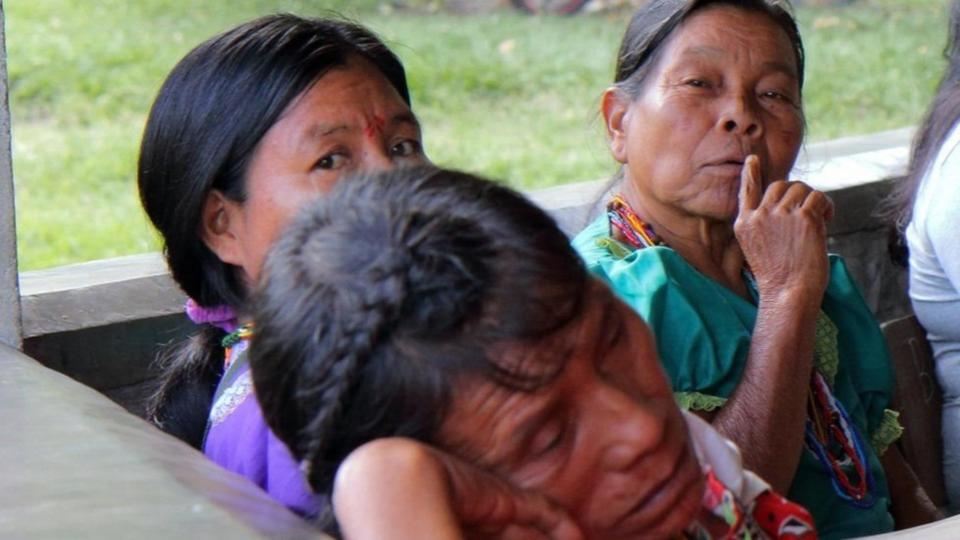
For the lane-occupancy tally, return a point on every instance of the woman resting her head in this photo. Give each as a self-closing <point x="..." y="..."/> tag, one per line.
<point x="760" y="331"/>
<point x="436" y="335"/>
<point x="247" y="127"/>
<point x="927" y="207"/>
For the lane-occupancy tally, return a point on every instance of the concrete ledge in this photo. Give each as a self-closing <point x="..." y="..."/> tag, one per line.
<point x="117" y="359"/>
<point x="97" y="293"/>
<point x="75" y="465"/>
<point x="855" y="161"/>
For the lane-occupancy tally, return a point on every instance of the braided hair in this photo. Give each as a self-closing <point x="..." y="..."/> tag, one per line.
<point x="382" y="295"/>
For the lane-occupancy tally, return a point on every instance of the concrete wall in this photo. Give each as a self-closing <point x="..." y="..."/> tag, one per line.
<point x="103" y="322"/>
<point x="9" y="295"/>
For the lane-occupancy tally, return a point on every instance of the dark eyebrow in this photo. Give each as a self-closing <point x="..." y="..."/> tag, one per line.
<point x="318" y="131"/>
<point x="406" y="117"/>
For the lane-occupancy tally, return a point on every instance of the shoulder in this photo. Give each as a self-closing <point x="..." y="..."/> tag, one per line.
<point x="628" y="271"/>
<point x="947" y="160"/>
<point x="939" y="191"/>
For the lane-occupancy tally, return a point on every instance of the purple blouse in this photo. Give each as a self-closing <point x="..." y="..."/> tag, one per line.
<point x="239" y="440"/>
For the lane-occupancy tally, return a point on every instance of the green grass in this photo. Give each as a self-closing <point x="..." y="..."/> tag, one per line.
<point x="510" y="96"/>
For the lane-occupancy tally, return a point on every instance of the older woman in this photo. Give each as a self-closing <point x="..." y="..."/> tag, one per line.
<point x="248" y="127"/>
<point x="760" y="331"/>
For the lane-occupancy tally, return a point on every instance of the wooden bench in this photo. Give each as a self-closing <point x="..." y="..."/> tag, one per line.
<point x="917" y="397"/>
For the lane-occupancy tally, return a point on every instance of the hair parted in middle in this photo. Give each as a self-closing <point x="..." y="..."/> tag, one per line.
<point x="654" y="22"/>
<point x="384" y="294"/>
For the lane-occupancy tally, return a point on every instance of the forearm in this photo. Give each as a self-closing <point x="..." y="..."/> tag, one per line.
<point x="766" y="414"/>
<point x="400" y="488"/>
<point x="393" y="489"/>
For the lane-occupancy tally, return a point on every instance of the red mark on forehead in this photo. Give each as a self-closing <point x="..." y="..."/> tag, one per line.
<point x="374" y="126"/>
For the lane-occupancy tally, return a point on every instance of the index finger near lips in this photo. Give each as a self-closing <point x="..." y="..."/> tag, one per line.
<point x="751" y="187"/>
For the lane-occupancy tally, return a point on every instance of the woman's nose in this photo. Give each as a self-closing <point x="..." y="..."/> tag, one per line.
<point x="377" y="159"/>
<point x="740" y="116"/>
<point x="628" y="428"/>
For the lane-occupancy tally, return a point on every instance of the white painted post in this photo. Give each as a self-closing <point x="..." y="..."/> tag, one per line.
<point x="10" y="325"/>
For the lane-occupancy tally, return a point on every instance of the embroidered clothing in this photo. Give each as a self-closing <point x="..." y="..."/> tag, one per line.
<point x="736" y="502"/>
<point x="239" y="440"/>
<point x="703" y="333"/>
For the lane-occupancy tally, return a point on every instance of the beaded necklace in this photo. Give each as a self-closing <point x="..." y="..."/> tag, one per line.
<point x="243" y="333"/>
<point x="829" y="433"/>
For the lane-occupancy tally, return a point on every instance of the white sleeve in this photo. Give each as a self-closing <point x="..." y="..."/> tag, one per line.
<point x="943" y="217"/>
<point x="720" y="455"/>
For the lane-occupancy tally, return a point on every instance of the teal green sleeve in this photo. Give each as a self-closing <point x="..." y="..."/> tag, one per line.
<point x="703" y="330"/>
<point x="706" y="353"/>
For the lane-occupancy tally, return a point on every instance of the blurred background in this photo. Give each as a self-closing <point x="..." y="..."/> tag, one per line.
<point x="508" y="89"/>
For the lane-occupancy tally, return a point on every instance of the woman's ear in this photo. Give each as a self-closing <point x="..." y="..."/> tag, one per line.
<point x="615" y="107"/>
<point x="219" y="222"/>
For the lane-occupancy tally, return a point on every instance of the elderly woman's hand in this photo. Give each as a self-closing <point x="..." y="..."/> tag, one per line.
<point x="400" y="488"/>
<point x="783" y="235"/>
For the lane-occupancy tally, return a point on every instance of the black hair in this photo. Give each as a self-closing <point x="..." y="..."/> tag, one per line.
<point x="941" y="116"/>
<point x="381" y="296"/>
<point x="203" y="128"/>
<point x="656" y="21"/>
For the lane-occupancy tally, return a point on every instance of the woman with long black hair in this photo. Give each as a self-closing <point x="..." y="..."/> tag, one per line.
<point x="927" y="211"/>
<point x="249" y="126"/>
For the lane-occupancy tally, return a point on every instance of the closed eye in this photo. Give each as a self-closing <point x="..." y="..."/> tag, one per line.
<point x="613" y="332"/>
<point x="548" y="439"/>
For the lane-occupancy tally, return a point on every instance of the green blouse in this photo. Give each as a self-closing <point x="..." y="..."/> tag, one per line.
<point x="703" y="332"/>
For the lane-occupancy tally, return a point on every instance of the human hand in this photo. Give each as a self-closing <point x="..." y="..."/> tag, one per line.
<point x="783" y="235"/>
<point x="400" y="488"/>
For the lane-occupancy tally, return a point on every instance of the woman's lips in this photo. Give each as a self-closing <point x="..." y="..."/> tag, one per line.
<point x="665" y="497"/>
<point x="728" y="167"/>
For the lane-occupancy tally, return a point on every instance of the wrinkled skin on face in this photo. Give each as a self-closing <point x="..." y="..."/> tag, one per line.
<point x="604" y="438"/>
<point x="726" y="85"/>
